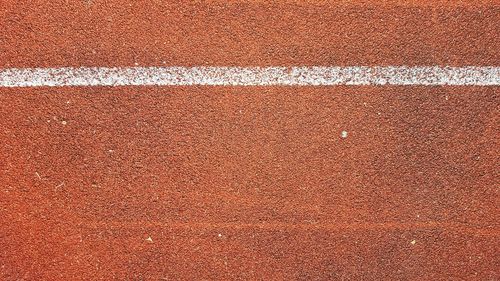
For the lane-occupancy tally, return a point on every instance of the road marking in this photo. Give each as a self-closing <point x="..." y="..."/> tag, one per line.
<point x="251" y="76"/>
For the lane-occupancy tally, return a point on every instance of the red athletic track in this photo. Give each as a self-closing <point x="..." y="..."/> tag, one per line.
<point x="249" y="183"/>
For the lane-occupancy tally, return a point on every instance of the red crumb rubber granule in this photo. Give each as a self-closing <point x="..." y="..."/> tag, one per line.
<point x="249" y="183"/>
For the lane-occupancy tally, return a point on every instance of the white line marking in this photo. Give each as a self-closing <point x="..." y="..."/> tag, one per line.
<point x="251" y="76"/>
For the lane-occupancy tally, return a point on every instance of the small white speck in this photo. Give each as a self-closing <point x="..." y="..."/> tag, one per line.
<point x="60" y="185"/>
<point x="413" y="242"/>
<point x="64" y="122"/>
<point x="67" y="102"/>
<point x="135" y="63"/>
<point x="344" y="134"/>
<point x="111" y="151"/>
<point x="379" y="113"/>
<point x="220" y="235"/>
<point x="149" y="239"/>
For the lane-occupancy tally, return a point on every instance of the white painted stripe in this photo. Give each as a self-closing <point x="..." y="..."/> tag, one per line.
<point x="250" y="76"/>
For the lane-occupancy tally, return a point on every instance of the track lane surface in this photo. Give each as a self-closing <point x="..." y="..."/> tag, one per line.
<point x="221" y="183"/>
<point x="250" y="183"/>
<point x="154" y="33"/>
